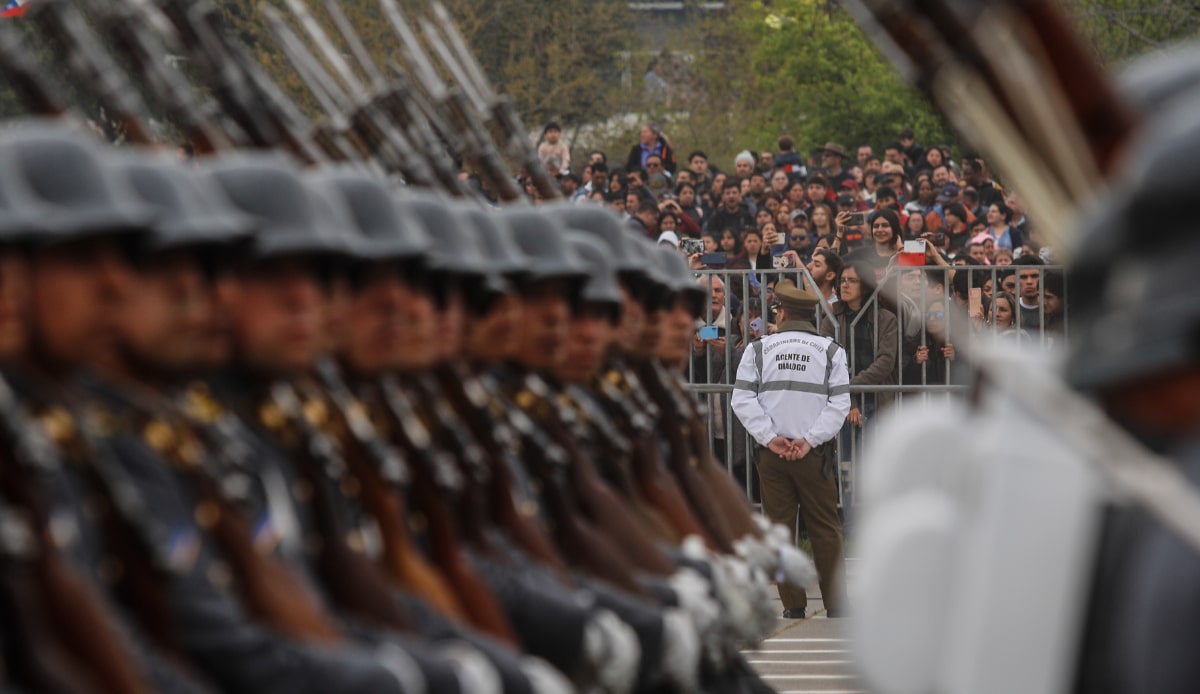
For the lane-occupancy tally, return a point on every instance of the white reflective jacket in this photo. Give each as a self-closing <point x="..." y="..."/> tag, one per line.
<point x="793" y="384"/>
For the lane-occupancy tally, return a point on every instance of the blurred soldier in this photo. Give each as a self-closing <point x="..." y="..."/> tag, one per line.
<point x="792" y="394"/>
<point x="1134" y="348"/>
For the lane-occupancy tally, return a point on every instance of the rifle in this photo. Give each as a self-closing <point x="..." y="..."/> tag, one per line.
<point x="436" y="476"/>
<point x="591" y="492"/>
<point x="322" y="86"/>
<point x="60" y="20"/>
<point x="387" y="478"/>
<point x="476" y="147"/>
<point x="243" y="90"/>
<point x="469" y="398"/>
<point x="127" y="22"/>
<point x="373" y="120"/>
<point x="684" y="460"/>
<point x="33" y="655"/>
<point x="578" y="540"/>
<point x="352" y="580"/>
<point x="500" y="114"/>
<point x="731" y="501"/>
<point x="399" y="102"/>
<point x="618" y="387"/>
<point x="270" y="590"/>
<point x="615" y="457"/>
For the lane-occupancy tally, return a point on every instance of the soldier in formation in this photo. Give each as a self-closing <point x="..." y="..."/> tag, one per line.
<point x="272" y="429"/>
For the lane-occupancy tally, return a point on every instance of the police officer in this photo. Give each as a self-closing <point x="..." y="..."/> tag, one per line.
<point x="792" y="394"/>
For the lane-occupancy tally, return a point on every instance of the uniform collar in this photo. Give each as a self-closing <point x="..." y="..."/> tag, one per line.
<point x="802" y="325"/>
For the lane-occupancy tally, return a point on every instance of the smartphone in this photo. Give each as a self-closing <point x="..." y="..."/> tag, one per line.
<point x="756" y="326"/>
<point x="939" y="237"/>
<point x="711" y="259"/>
<point x="691" y="246"/>
<point x="915" y="246"/>
<point x="976" y="301"/>
<point x="711" y="332"/>
<point x="782" y="262"/>
<point x="856" y="219"/>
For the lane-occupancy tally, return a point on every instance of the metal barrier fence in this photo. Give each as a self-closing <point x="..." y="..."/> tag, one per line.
<point x="931" y="307"/>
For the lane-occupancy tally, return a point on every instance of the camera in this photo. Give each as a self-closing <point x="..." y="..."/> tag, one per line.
<point x="939" y="237"/>
<point x="691" y="246"/>
<point x="856" y="219"/>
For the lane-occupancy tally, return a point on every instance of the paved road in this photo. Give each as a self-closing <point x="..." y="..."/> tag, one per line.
<point x="807" y="656"/>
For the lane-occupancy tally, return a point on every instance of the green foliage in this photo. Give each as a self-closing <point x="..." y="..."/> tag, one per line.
<point x="804" y="68"/>
<point x="1122" y="29"/>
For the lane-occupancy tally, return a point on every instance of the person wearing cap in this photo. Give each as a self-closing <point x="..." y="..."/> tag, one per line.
<point x="832" y="156"/>
<point x="792" y="393"/>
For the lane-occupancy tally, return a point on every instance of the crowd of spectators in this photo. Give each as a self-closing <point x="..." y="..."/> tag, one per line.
<point x="949" y="249"/>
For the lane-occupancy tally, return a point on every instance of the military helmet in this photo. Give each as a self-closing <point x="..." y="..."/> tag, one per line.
<point x="601" y="286"/>
<point x="502" y="253"/>
<point x="453" y="249"/>
<point x="386" y="231"/>
<point x="1134" y="310"/>
<point x="191" y="210"/>
<point x="293" y="218"/>
<point x="541" y="239"/>
<point x="54" y="173"/>
<point x="605" y="225"/>
<point x="678" y="278"/>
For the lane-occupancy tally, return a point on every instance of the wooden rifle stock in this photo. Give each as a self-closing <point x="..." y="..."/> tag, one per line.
<point x="351" y="579"/>
<point x="67" y="640"/>
<point x="582" y="543"/>
<point x="593" y="493"/>
<point x="659" y="487"/>
<point x="270" y="590"/>
<point x="684" y="460"/>
<point x="385" y="480"/>
<point x="470" y="400"/>
<point x="434" y="477"/>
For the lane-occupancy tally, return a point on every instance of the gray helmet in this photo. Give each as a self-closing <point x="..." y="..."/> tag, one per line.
<point x="453" y="249"/>
<point x="54" y="173"/>
<point x="601" y="286"/>
<point x="502" y="253"/>
<point x="293" y="218"/>
<point x="679" y="280"/>
<point x="191" y="210"/>
<point x="542" y="241"/>
<point x="605" y="225"/>
<point x="1134" y="310"/>
<point x="386" y="231"/>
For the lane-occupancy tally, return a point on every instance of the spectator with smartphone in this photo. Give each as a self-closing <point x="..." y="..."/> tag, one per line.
<point x="755" y="254"/>
<point x="684" y="225"/>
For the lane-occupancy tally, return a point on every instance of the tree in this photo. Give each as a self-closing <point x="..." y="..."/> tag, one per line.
<point x="801" y="67"/>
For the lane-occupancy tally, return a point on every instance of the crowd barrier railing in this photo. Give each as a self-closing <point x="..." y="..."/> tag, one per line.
<point x="931" y="309"/>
